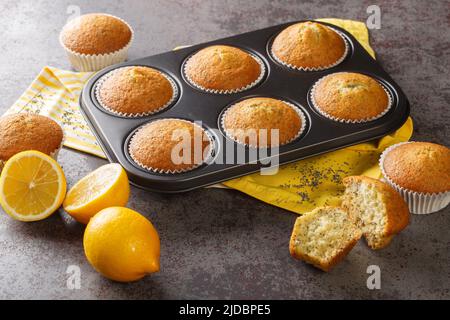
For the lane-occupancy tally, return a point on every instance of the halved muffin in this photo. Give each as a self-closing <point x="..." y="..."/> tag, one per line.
<point x="223" y="69"/>
<point x="263" y="122"/>
<point x="25" y="131"/>
<point x="170" y="146"/>
<point x="135" y="91"/>
<point x="309" y="46"/>
<point x="323" y="237"/>
<point x="350" y="97"/>
<point x="377" y="208"/>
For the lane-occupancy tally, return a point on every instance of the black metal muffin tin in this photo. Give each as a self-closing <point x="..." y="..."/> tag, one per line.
<point x="321" y="135"/>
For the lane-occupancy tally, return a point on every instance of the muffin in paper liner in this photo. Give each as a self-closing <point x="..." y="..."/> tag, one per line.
<point x="175" y="94"/>
<point x="418" y="202"/>
<point x="299" y="112"/>
<point x="262" y="67"/>
<point x="337" y="62"/>
<point x="53" y="154"/>
<point x="94" y="62"/>
<point x="326" y="115"/>
<point x="207" y="160"/>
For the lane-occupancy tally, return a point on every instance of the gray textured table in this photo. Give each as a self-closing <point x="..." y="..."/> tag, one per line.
<point x="221" y="243"/>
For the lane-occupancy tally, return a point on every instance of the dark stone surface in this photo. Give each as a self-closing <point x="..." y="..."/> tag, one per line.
<point x="221" y="243"/>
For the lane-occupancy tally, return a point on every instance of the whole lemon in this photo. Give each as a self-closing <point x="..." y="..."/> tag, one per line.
<point x="122" y="244"/>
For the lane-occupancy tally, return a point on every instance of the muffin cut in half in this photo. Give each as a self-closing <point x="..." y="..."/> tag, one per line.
<point x="253" y="122"/>
<point x="309" y="46"/>
<point x="350" y="97"/>
<point x="223" y="69"/>
<point x="420" y="172"/>
<point x="323" y="237"/>
<point x="376" y="207"/>
<point x="25" y="131"/>
<point x="135" y="91"/>
<point x="170" y="146"/>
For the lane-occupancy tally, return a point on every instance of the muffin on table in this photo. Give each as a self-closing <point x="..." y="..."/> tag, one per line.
<point x="309" y="46"/>
<point x="135" y="91"/>
<point x="95" y="41"/>
<point x="153" y="146"/>
<point x="420" y="172"/>
<point x="350" y="97"/>
<point x="25" y="131"/>
<point x="223" y="69"/>
<point x="245" y="120"/>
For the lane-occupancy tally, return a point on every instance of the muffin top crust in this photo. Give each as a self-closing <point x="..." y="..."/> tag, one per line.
<point x="95" y="33"/>
<point x="308" y="45"/>
<point x="135" y="90"/>
<point x="25" y="131"/>
<point x="161" y="145"/>
<point x="222" y="68"/>
<point x="350" y="96"/>
<point x="419" y="166"/>
<point x="244" y="121"/>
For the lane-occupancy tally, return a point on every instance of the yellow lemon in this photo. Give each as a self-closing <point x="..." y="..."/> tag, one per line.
<point x="32" y="186"/>
<point x="122" y="244"/>
<point x="105" y="187"/>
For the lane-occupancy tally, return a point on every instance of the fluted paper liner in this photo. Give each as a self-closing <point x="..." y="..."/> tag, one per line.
<point x="135" y="115"/>
<point x="418" y="202"/>
<point x="194" y="166"/>
<point x="299" y="133"/>
<point x="94" y="62"/>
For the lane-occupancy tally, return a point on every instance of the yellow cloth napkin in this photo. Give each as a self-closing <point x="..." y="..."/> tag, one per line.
<point x="297" y="187"/>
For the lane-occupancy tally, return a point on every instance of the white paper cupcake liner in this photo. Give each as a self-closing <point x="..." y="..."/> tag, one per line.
<point x="94" y="62"/>
<point x="299" y="133"/>
<point x="207" y="160"/>
<point x="100" y="82"/>
<point x="291" y="66"/>
<point x="418" y="202"/>
<point x="215" y="91"/>
<point x="329" y="116"/>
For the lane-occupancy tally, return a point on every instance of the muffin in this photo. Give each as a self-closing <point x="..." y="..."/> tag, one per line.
<point x="95" y="41"/>
<point x="135" y="91"/>
<point x="23" y="131"/>
<point x="420" y="172"/>
<point x="350" y="97"/>
<point x="152" y="146"/>
<point x="244" y="121"/>
<point x="309" y="46"/>
<point x="223" y="69"/>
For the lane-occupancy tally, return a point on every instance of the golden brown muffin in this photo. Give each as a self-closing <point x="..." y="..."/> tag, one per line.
<point x="323" y="237"/>
<point x="378" y="209"/>
<point x="24" y="131"/>
<point x="244" y="120"/>
<point x="307" y="45"/>
<point x="350" y="96"/>
<point x="422" y="167"/>
<point x="135" y="90"/>
<point x="151" y="147"/>
<point x="95" y="33"/>
<point x="222" y="68"/>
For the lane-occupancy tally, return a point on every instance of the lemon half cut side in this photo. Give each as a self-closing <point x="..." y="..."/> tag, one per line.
<point x="32" y="186"/>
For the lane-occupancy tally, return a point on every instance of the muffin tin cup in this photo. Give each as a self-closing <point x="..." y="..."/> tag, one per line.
<point x="339" y="61"/>
<point x="94" y="62"/>
<point x="215" y="91"/>
<point x="299" y="112"/>
<point x="178" y="171"/>
<point x="418" y="202"/>
<point x="175" y="94"/>
<point x="329" y="116"/>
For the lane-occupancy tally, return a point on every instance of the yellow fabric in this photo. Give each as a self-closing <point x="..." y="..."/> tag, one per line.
<point x="297" y="187"/>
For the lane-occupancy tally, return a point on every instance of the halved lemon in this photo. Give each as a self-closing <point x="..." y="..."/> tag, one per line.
<point x="32" y="186"/>
<point x="105" y="187"/>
